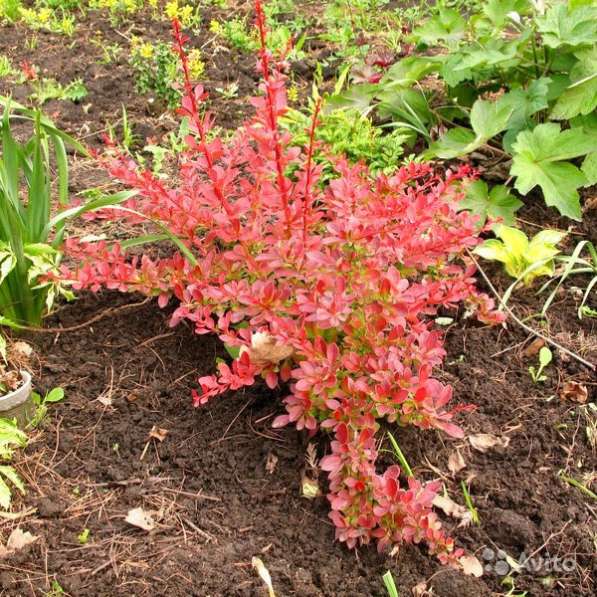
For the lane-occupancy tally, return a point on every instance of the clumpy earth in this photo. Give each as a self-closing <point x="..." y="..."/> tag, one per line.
<point x="222" y="486"/>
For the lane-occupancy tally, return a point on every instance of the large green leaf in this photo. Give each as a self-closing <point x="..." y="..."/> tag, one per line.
<point x="562" y="26"/>
<point x="448" y="26"/>
<point x="539" y="159"/>
<point x="499" y="12"/>
<point x="498" y="203"/>
<point x="487" y="120"/>
<point x="525" y="103"/>
<point x="357" y="97"/>
<point x="407" y="71"/>
<point x="581" y="95"/>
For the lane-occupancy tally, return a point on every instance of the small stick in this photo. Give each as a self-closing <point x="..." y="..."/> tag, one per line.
<point x="95" y="318"/>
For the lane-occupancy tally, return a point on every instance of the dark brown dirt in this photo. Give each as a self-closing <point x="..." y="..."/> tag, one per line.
<point x="112" y="85"/>
<point x="216" y="504"/>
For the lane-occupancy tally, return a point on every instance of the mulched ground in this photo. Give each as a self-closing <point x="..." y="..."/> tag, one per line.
<point x="222" y="485"/>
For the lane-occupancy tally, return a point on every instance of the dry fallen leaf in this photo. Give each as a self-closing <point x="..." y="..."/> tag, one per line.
<point x="271" y="462"/>
<point x="104" y="399"/>
<point x="141" y="519"/>
<point x="22" y="348"/>
<point x="534" y="347"/>
<point x="420" y="590"/>
<point x="19" y="539"/>
<point x="264" y="575"/>
<point x="158" y="433"/>
<point x="574" y="391"/>
<point x="265" y="350"/>
<point x="456" y="462"/>
<point x="486" y="441"/>
<point x="309" y="487"/>
<point x="471" y="566"/>
<point x="451" y="508"/>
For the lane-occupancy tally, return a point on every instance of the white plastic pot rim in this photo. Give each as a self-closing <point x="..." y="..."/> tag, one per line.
<point x="18" y="396"/>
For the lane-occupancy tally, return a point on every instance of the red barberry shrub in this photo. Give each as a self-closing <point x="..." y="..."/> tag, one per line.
<point x="329" y="290"/>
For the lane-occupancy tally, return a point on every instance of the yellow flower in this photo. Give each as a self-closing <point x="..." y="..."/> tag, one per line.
<point x="215" y="27"/>
<point x="196" y="64"/>
<point x="172" y="9"/>
<point x="186" y="15"/>
<point x="146" y="50"/>
<point x="44" y="15"/>
<point x="293" y="93"/>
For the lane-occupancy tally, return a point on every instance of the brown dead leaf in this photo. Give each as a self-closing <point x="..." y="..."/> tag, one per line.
<point x="574" y="391"/>
<point x="271" y="462"/>
<point x="158" y="433"/>
<point x="22" y="349"/>
<point x="533" y="348"/>
<point x="456" y="462"/>
<point x="264" y="349"/>
<point x="309" y="487"/>
<point x="471" y="566"/>
<point x="141" y="519"/>
<point x="451" y="508"/>
<point x="19" y="539"/>
<point x="104" y="399"/>
<point x="421" y="590"/>
<point x="486" y="441"/>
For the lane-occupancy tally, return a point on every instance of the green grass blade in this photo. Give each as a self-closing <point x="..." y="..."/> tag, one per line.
<point x="388" y="581"/>
<point x="400" y="456"/>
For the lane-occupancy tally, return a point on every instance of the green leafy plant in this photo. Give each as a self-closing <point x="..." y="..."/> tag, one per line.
<point x="496" y="204"/>
<point x="11" y="437"/>
<point x="523" y="259"/>
<point x="541" y="157"/>
<point x="545" y="358"/>
<point x="10" y="10"/>
<point x="83" y="536"/>
<point x="236" y="33"/>
<point x="347" y="132"/>
<point x="505" y="70"/>
<point x="49" y="89"/>
<point x="156" y="70"/>
<point x="6" y="68"/>
<point x="41" y="404"/>
<point x="127" y="137"/>
<point x="28" y="257"/>
<point x="33" y="182"/>
<point x="469" y="503"/>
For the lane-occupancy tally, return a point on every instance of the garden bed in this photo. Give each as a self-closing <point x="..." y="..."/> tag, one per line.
<point x="221" y="485"/>
<point x="225" y="487"/>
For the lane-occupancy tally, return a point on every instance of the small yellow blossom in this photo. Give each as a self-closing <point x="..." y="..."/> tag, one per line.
<point x="216" y="27"/>
<point x="293" y="93"/>
<point x="172" y="9"/>
<point x="196" y="64"/>
<point x="145" y="50"/>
